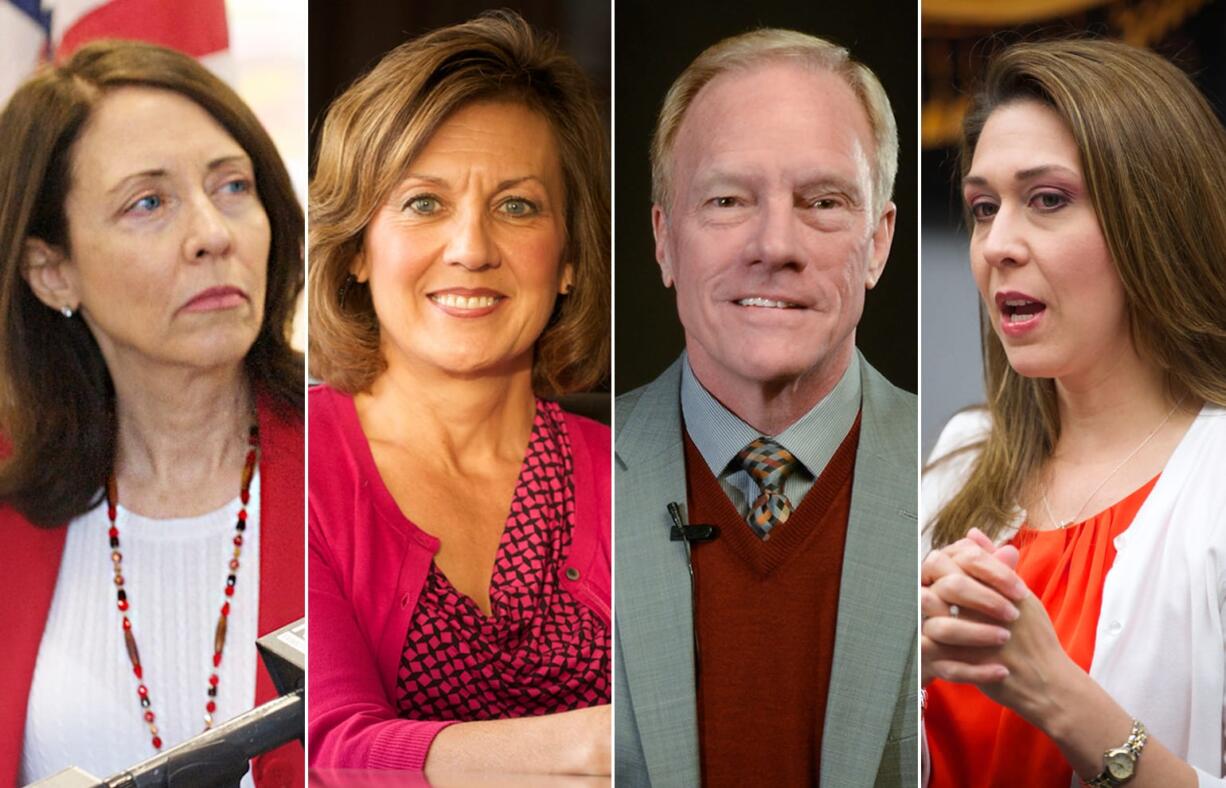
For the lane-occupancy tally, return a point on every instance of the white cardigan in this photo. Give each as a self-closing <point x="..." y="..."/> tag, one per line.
<point x="1160" y="645"/>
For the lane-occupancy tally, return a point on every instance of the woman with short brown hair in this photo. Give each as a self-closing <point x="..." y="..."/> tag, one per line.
<point x="374" y="131"/>
<point x="459" y="530"/>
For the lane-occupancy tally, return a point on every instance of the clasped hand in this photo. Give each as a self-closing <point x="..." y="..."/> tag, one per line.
<point x="983" y="626"/>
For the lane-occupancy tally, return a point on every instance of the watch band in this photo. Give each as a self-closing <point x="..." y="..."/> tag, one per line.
<point x="1125" y="758"/>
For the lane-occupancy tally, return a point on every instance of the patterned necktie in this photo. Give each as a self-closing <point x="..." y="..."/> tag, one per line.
<point x="769" y="464"/>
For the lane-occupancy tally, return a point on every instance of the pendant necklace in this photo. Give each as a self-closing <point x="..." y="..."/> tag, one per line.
<point x="1066" y="523"/>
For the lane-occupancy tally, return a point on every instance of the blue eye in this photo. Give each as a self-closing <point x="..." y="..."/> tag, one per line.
<point x="518" y="206"/>
<point x="147" y="204"/>
<point x="237" y="186"/>
<point x="424" y="205"/>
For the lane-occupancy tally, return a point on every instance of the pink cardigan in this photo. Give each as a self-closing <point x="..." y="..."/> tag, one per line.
<point x="367" y="567"/>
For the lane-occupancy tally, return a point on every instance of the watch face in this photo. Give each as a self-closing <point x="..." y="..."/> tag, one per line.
<point x="1120" y="764"/>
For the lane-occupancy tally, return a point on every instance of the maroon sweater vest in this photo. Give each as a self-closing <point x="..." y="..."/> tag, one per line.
<point x="765" y="614"/>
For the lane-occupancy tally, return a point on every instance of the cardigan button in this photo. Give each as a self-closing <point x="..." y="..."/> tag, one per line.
<point x="572" y="573"/>
<point x="1115" y="628"/>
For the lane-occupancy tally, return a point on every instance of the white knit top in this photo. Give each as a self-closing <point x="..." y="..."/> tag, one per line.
<point x="83" y="709"/>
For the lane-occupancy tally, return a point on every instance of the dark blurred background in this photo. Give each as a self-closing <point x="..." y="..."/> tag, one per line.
<point x="655" y="42"/>
<point x="348" y="39"/>
<point x="958" y="38"/>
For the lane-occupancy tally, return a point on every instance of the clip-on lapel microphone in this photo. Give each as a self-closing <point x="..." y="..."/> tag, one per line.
<point x="680" y="532"/>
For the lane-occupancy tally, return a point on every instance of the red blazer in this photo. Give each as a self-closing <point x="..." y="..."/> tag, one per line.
<point x="27" y="584"/>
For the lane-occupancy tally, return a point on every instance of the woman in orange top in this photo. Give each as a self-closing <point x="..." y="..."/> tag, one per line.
<point x="1069" y="634"/>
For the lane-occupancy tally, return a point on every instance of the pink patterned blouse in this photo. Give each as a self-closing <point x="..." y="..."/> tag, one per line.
<point x="540" y="651"/>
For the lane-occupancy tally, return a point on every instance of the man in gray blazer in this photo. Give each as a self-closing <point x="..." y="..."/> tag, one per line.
<point x="773" y="165"/>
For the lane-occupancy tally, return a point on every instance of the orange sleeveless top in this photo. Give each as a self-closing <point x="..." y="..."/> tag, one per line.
<point x="974" y="742"/>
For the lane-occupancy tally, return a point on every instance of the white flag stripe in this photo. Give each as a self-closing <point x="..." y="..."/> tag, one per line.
<point x="65" y="13"/>
<point x="222" y="64"/>
<point x="21" y="42"/>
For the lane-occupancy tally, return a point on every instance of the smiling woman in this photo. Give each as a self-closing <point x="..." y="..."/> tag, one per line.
<point x="459" y="522"/>
<point x="150" y="260"/>
<point x="486" y="196"/>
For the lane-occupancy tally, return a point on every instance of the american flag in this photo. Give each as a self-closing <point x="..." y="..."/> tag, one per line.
<point x="33" y="31"/>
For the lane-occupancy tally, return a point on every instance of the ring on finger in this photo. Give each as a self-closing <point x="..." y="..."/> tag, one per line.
<point x="954" y="611"/>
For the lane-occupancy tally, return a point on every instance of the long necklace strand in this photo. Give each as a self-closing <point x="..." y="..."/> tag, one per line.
<point x="219" y="634"/>
<point x="1123" y="462"/>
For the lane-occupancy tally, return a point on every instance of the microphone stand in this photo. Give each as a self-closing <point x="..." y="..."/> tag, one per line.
<point x="219" y="757"/>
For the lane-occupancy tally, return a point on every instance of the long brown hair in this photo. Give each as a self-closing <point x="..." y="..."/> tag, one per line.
<point x="380" y="124"/>
<point x="1154" y="156"/>
<point x="56" y="395"/>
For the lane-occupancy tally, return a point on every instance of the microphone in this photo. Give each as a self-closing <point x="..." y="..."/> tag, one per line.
<point x="695" y="532"/>
<point x="219" y="757"/>
<point x="284" y="654"/>
<point x="680" y="532"/>
<point x="215" y="758"/>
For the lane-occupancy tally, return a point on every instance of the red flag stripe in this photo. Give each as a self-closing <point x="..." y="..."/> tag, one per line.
<point x="195" y="27"/>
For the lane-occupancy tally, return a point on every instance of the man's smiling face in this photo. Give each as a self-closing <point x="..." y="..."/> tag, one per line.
<point x="770" y="238"/>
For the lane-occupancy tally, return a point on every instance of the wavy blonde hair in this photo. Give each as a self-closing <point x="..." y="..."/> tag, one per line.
<point x="384" y="120"/>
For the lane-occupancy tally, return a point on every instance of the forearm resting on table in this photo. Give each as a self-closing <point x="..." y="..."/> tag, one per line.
<point x="1084" y="722"/>
<point x="571" y="742"/>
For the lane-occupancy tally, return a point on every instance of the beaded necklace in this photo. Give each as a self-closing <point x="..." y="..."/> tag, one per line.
<point x="219" y="634"/>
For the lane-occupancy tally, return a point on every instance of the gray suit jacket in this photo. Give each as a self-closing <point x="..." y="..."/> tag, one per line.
<point x="870" y="730"/>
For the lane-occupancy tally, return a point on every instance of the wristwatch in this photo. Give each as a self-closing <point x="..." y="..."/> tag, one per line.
<point x="1120" y="763"/>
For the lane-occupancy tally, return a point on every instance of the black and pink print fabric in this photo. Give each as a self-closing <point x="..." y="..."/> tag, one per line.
<point x="540" y="651"/>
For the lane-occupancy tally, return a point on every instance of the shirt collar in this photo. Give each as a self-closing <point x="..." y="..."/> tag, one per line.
<point x="719" y="434"/>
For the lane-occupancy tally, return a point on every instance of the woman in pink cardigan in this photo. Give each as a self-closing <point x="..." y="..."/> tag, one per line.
<point x="459" y="523"/>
